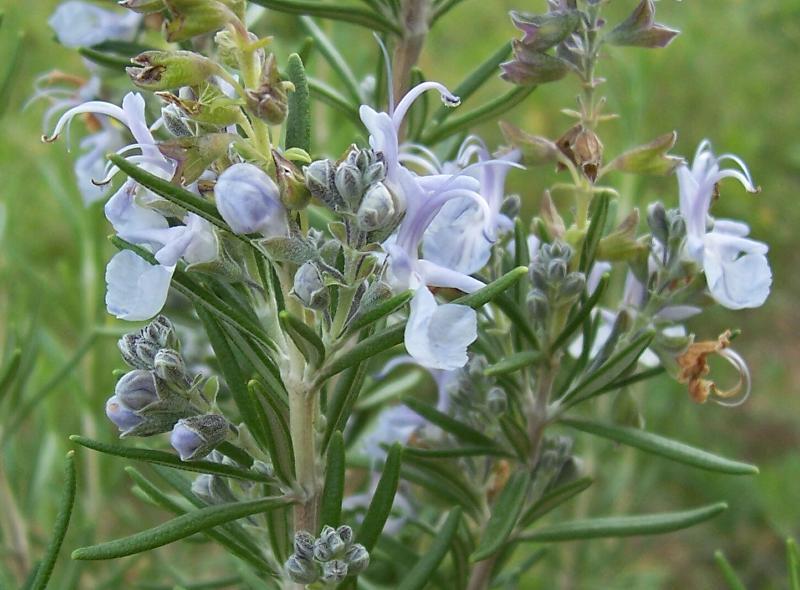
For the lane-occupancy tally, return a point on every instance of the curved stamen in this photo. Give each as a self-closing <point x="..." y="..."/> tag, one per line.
<point x="739" y="393"/>
<point x="448" y="98"/>
<point x="94" y="107"/>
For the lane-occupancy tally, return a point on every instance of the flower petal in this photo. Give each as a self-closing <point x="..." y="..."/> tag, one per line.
<point x="135" y="289"/>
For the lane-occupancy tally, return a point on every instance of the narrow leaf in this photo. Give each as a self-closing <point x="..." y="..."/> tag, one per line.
<point x="553" y="499"/>
<point x="333" y="491"/>
<point x="598" y="213"/>
<point x="492" y="290"/>
<point x="298" y="123"/>
<point x="274" y="413"/>
<point x="333" y="57"/>
<point x="45" y="568"/>
<point x="577" y="320"/>
<point x="728" y="573"/>
<point x="425" y="568"/>
<point x="382" y="500"/>
<point x="665" y="447"/>
<point x="352" y="14"/>
<point x="461" y="431"/>
<point x="505" y="514"/>
<point x="345" y="394"/>
<point x="457" y="452"/>
<point x="306" y="340"/>
<point x="794" y="564"/>
<point x="623" y="526"/>
<point x="379" y="311"/>
<point x="513" y="362"/>
<point x="169" y="460"/>
<point x="365" y="349"/>
<point x="9" y="372"/>
<point x="178" y="528"/>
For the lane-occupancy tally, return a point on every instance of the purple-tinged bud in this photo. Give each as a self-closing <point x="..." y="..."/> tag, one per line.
<point x="309" y="287"/>
<point x="320" y="178"/>
<point x="641" y="30"/>
<point x="357" y="558"/>
<point x="212" y="489"/>
<point x="164" y="70"/>
<point x="250" y="201"/>
<point x="300" y="570"/>
<point x="124" y="418"/>
<point x="334" y="571"/>
<point x="146" y="350"/>
<point x="377" y="209"/>
<point x="349" y="184"/>
<point x="136" y="389"/>
<point x="196" y="436"/>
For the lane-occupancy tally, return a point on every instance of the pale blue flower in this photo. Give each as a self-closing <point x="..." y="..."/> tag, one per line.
<point x="135" y="289"/>
<point x="736" y="267"/>
<point x="84" y="24"/>
<point x="250" y="202"/>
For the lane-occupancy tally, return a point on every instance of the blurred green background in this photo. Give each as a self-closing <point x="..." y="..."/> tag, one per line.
<point x="731" y="76"/>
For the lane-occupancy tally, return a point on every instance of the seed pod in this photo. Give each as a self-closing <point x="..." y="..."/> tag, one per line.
<point x="269" y="101"/>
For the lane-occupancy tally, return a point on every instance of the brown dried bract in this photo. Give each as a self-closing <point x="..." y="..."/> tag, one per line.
<point x="500" y="474"/>
<point x="583" y="148"/>
<point x="694" y="366"/>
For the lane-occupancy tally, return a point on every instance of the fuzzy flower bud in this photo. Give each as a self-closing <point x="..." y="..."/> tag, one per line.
<point x="164" y="70"/>
<point x="122" y="416"/>
<point x="309" y="286"/>
<point x="250" y="201"/>
<point x="196" y="436"/>
<point x="349" y="184"/>
<point x="330" y="537"/>
<point x="657" y="220"/>
<point x="334" y="571"/>
<point x="169" y="366"/>
<point x="377" y="208"/>
<point x="301" y="570"/>
<point x="136" y="389"/>
<point x="497" y="401"/>
<point x="304" y="544"/>
<point x="345" y="534"/>
<point x="357" y="558"/>
<point x="538" y="305"/>
<point x="174" y="121"/>
<point x="160" y="330"/>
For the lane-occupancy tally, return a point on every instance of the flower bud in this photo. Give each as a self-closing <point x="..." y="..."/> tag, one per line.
<point x="322" y="551"/>
<point x="332" y="540"/>
<point x="657" y="221"/>
<point x="269" y="101"/>
<point x="294" y="192"/>
<point x="162" y="331"/>
<point x="212" y="489"/>
<point x="196" y="436"/>
<point x="573" y="285"/>
<point x="127" y="348"/>
<point x="309" y="287"/>
<point x="497" y="401"/>
<point x="334" y="571"/>
<point x="136" y="390"/>
<point x="169" y="366"/>
<point x="320" y="178"/>
<point x="174" y="121"/>
<point x="511" y="206"/>
<point x="349" y="184"/>
<point x="249" y="201"/>
<point x="357" y="558"/>
<point x="121" y="415"/>
<point x="377" y="208"/>
<point x="190" y="18"/>
<point x="557" y="270"/>
<point x="537" y="305"/>
<point x="164" y="70"/>
<point x="304" y="544"/>
<point x="300" y="570"/>
<point x="146" y="350"/>
<point x="345" y="534"/>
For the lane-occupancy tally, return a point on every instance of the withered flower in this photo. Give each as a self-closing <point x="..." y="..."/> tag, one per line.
<point x="694" y="367"/>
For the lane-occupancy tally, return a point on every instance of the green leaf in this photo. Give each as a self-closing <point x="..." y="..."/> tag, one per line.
<point x="379" y="311"/>
<point x="324" y="93"/>
<point x="243" y="548"/>
<point x="45" y="569"/>
<point x="169" y="460"/>
<point x="728" y="573"/>
<point x="505" y="514"/>
<point x="659" y="445"/>
<point x="298" y="123"/>
<point x="518" y="318"/>
<point x="13" y="58"/>
<point x="455" y="453"/>
<point x="553" y="499"/>
<point x="486" y="294"/>
<point x="333" y="491"/>
<point x="188" y="524"/>
<point x="461" y="431"/>
<point x="333" y="57"/>
<point x="489" y="111"/>
<point x="623" y="526"/>
<point x="345" y="394"/>
<point x="306" y="340"/>
<point x="111" y="60"/>
<point x="650" y="158"/>
<point x="609" y="371"/>
<point x="352" y="14"/>
<point x="9" y="372"/>
<point x="173" y="193"/>
<point x="598" y="214"/>
<point x="577" y="320"/>
<point x="794" y="564"/>
<point x="363" y="350"/>
<point x="274" y="413"/>
<point x="425" y="568"/>
<point x="382" y="499"/>
<point x="513" y="362"/>
<point x="445" y="480"/>
<point x="475" y="80"/>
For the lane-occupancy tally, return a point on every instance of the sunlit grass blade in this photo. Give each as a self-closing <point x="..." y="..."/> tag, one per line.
<point x="623" y="526"/>
<point x="381" y="504"/>
<point x="553" y="499"/>
<point x="333" y="11"/>
<point x="169" y="460"/>
<point x="333" y="57"/>
<point x="489" y="111"/>
<point x="45" y="569"/>
<point x="422" y="572"/>
<point x="333" y="490"/>
<point x="662" y="446"/>
<point x="298" y="122"/>
<point x="727" y="571"/>
<point x="505" y="514"/>
<point x="178" y="528"/>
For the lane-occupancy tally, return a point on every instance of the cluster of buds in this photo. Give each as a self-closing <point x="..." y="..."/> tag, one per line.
<point x="328" y="559"/>
<point x="554" y="286"/>
<point x="354" y="187"/>
<point x="476" y="397"/>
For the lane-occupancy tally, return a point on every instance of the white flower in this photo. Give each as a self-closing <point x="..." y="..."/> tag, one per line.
<point x="736" y="267"/>
<point x="136" y="289"/>
<point x="84" y="24"/>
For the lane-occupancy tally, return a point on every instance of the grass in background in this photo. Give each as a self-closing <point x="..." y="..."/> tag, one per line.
<point x="731" y="77"/>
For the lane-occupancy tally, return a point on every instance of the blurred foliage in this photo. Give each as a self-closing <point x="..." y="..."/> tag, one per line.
<point x="731" y="76"/>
